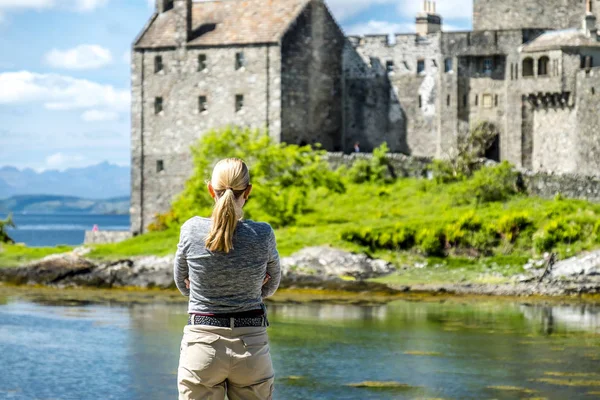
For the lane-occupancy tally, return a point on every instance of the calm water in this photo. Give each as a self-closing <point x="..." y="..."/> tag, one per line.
<point x="444" y="350"/>
<point x="56" y="229"/>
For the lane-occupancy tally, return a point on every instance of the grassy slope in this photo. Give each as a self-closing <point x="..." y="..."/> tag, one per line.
<point x="415" y="202"/>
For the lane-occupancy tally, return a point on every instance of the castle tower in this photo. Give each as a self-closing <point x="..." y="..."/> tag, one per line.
<point x="428" y="21"/>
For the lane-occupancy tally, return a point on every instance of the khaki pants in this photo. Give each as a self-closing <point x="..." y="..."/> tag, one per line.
<point x="216" y="361"/>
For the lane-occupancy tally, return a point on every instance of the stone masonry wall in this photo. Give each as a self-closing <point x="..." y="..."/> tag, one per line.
<point x="311" y="83"/>
<point x="165" y="138"/>
<point x="389" y="98"/>
<point x="587" y="152"/>
<point x="515" y="14"/>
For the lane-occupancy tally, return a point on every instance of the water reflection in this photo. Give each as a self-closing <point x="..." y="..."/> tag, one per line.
<point x="451" y="350"/>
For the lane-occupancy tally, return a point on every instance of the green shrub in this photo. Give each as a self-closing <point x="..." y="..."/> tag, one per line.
<point x="469" y="233"/>
<point x="360" y="171"/>
<point x="282" y="176"/>
<point x="509" y="226"/>
<point x="496" y="183"/>
<point x="377" y="169"/>
<point x="431" y="242"/>
<point x="8" y="222"/>
<point x="443" y="172"/>
<point x="555" y="232"/>
<point x="597" y="231"/>
<point x="394" y="238"/>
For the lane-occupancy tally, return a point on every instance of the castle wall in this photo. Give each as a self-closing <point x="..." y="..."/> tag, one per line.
<point x="515" y="14"/>
<point x="555" y="139"/>
<point x="588" y="119"/>
<point x="163" y="140"/>
<point x="384" y="105"/>
<point x="311" y="80"/>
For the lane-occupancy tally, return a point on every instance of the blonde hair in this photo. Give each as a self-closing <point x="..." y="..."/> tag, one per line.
<point x="230" y="178"/>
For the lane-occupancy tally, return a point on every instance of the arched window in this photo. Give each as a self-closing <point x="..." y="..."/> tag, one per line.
<point x="543" y="63"/>
<point x="528" y="67"/>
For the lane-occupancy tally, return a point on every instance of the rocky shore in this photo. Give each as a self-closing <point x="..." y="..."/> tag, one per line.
<point x="315" y="267"/>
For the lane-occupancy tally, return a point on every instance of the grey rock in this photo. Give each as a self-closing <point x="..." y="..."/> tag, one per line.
<point x="585" y="265"/>
<point x="326" y="263"/>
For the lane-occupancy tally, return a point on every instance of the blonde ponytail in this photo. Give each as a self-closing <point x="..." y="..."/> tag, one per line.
<point x="229" y="181"/>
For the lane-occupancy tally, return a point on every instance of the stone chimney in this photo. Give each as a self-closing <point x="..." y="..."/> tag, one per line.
<point x="428" y="21"/>
<point x="589" y="21"/>
<point x="163" y="6"/>
<point x="183" y="21"/>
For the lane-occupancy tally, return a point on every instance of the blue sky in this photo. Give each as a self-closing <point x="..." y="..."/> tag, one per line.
<point x="64" y="72"/>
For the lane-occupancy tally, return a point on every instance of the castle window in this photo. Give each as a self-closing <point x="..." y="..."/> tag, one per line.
<point x="420" y="66"/>
<point x="420" y="102"/>
<point x="389" y="66"/>
<point x="448" y="65"/>
<point x="202" y="104"/>
<point x="158" y="105"/>
<point x="593" y="91"/>
<point x="465" y="100"/>
<point x="239" y="102"/>
<point x="512" y="71"/>
<point x="516" y="71"/>
<point x="496" y="101"/>
<point x="587" y="62"/>
<point x="240" y="61"/>
<point x="160" y="166"/>
<point x="496" y="38"/>
<point x="543" y="66"/>
<point x="488" y="65"/>
<point x="448" y="100"/>
<point x="158" y="64"/>
<point x="486" y="101"/>
<point x="476" y="100"/>
<point x="528" y="67"/>
<point x="202" y="62"/>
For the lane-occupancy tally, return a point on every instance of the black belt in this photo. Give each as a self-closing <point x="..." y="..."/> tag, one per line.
<point x="233" y="320"/>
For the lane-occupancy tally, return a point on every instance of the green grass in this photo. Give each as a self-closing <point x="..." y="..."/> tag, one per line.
<point x="17" y="255"/>
<point x="418" y="203"/>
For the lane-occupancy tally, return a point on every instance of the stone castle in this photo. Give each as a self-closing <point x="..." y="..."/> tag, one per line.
<point x="530" y="68"/>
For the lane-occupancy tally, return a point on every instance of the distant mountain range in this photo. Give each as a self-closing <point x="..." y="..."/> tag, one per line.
<point x="102" y="181"/>
<point x="47" y="204"/>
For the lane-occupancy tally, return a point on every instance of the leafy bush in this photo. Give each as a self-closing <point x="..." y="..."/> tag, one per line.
<point x="555" y="232"/>
<point x="377" y="169"/>
<point x="496" y="183"/>
<point x="397" y="238"/>
<point x="282" y="176"/>
<point x="360" y="171"/>
<point x="509" y="226"/>
<point x="597" y="231"/>
<point x="470" y="233"/>
<point x="431" y="242"/>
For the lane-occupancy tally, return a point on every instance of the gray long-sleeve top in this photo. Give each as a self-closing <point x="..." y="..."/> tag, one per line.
<point x="227" y="282"/>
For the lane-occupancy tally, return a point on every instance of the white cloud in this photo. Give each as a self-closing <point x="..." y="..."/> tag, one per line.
<point x="24" y="4"/>
<point x="89" y="5"/>
<point x="344" y="9"/>
<point x="59" y="92"/>
<point x="86" y="56"/>
<point x="63" y="161"/>
<point x="99" y="116"/>
<point x="379" y="28"/>
<point x="453" y="9"/>
<point x="39" y="5"/>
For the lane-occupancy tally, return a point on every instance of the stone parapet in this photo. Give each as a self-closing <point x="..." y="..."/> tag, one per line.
<point x="104" y="237"/>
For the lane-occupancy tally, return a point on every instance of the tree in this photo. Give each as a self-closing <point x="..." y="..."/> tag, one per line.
<point x="466" y="157"/>
<point x="4" y="224"/>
